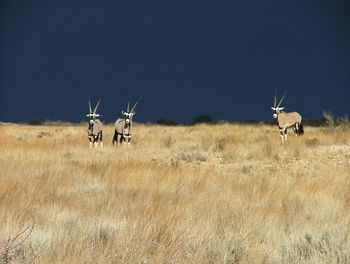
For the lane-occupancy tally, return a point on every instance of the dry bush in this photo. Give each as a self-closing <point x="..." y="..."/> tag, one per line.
<point x="204" y="194"/>
<point x="15" y="250"/>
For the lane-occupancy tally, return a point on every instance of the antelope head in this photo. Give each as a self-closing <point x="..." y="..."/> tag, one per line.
<point x="276" y="107"/>
<point x="92" y="114"/>
<point x="130" y="113"/>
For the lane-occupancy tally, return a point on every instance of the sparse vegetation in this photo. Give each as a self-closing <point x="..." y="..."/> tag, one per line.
<point x="329" y="118"/>
<point x="35" y="122"/>
<point x="202" y="119"/>
<point x="344" y="122"/>
<point x="168" y="122"/>
<point x="14" y="250"/>
<point x="225" y="193"/>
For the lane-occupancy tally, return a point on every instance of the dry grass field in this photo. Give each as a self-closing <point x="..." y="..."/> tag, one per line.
<point x="203" y="194"/>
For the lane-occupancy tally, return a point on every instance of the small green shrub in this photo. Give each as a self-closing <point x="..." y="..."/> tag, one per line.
<point x="35" y="122"/>
<point x="202" y="119"/>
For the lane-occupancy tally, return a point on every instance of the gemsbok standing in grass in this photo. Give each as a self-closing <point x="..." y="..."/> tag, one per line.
<point x="286" y="120"/>
<point x="94" y="130"/>
<point x="123" y="126"/>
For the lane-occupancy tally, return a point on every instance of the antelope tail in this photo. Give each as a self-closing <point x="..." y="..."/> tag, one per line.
<point x="300" y="130"/>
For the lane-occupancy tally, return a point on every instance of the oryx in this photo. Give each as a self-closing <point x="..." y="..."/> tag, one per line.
<point x="286" y="120"/>
<point x="94" y="130"/>
<point x="123" y="126"/>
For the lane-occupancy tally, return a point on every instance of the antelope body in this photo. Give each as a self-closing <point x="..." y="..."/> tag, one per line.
<point x="286" y="120"/>
<point x="123" y="126"/>
<point x="122" y="129"/>
<point x="95" y="126"/>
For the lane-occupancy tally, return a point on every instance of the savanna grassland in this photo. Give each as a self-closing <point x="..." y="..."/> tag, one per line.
<point x="200" y="194"/>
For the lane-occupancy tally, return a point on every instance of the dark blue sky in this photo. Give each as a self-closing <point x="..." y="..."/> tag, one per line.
<point x="223" y="58"/>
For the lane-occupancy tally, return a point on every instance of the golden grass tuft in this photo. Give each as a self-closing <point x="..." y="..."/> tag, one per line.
<point x="203" y="194"/>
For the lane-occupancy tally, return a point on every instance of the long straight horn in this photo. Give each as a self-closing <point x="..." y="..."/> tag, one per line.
<point x="274" y="103"/>
<point x="136" y="104"/>
<point x="127" y="110"/>
<point x="281" y="99"/>
<point x="97" y="106"/>
<point x="90" y="110"/>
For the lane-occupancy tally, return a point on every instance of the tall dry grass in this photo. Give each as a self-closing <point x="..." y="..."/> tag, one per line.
<point x="203" y="194"/>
